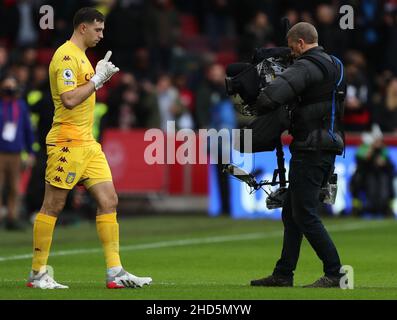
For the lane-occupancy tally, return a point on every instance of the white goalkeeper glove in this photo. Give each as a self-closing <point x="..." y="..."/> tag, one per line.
<point x="104" y="70"/>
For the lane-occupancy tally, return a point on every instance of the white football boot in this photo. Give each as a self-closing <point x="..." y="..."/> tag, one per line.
<point x="126" y="280"/>
<point x="43" y="280"/>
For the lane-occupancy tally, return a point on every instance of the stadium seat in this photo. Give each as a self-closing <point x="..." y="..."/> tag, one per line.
<point x="189" y="25"/>
<point x="195" y="43"/>
<point x="226" y="57"/>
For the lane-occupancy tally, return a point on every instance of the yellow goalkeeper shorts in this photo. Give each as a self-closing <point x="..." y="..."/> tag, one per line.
<point x="68" y="166"/>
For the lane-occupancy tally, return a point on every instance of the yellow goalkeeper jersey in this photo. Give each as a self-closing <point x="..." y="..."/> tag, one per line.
<point x="69" y="69"/>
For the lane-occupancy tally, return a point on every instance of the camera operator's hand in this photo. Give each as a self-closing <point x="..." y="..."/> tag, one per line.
<point x="250" y="109"/>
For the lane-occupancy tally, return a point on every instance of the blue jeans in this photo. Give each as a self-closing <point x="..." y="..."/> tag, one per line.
<point x="307" y="172"/>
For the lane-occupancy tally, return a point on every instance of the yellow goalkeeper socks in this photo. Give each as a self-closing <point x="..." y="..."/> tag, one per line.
<point x="42" y="237"/>
<point x="108" y="232"/>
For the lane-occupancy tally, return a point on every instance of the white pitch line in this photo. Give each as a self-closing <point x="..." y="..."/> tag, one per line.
<point x="196" y="241"/>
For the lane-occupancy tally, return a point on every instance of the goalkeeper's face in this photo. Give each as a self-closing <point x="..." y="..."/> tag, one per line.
<point x="93" y="33"/>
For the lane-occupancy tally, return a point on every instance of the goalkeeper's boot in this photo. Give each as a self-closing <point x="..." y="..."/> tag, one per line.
<point x="273" y="281"/>
<point x="126" y="280"/>
<point x="43" y="280"/>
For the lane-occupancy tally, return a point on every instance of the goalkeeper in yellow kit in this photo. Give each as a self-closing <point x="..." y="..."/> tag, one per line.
<point x="75" y="157"/>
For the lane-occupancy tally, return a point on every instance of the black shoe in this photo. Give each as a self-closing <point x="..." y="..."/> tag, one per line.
<point x="273" y="281"/>
<point x="325" y="282"/>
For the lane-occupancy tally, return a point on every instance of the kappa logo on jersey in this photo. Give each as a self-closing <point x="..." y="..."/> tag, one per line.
<point x="65" y="149"/>
<point x="67" y="74"/>
<point x="63" y="159"/>
<point x="66" y="58"/>
<point x="70" y="177"/>
<point x="60" y="169"/>
<point x="57" y="179"/>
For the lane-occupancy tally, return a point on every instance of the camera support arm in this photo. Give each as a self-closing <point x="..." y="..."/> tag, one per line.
<point x="280" y="171"/>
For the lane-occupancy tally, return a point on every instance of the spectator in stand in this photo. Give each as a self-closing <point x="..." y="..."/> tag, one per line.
<point x="148" y="114"/>
<point x="390" y="51"/>
<point x="258" y="33"/>
<point x="208" y="90"/>
<point x="357" y="101"/>
<point x="368" y="28"/>
<point x="214" y="110"/>
<point x="127" y="115"/>
<point x="332" y="36"/>
<point x="25" y="67"/>
<point x="185" y="94"/>
<point x="16" y="136"/>
<point x="385" y="113"/>
<point x="137" y="102"/>
<point x="41" y="106"/>
<point x="293" y="16"/>
<point x="306" y="16"/>
<point x="140" y="65"/>
<point x="381" y="82"/>
<point x="116" y="100"/>
<point x="372" y="183"/>
<point x="162" y="32"/>
<point x="3" y="60"/>
<point x="125" y="15"/>
<point x="218" y="21"/>
<point x="22" y="74"/>
<point x="170" y="106"/>
<point x="29" y="57"/>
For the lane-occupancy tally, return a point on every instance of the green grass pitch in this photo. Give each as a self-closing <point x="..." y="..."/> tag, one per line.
<point x="202" y="258"/>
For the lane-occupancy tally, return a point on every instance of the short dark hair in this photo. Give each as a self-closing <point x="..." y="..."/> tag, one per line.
<point x="305" y="31"/>
<point x="87" y="14"/>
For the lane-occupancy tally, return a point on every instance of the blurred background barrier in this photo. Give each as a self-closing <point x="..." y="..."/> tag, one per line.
<point x="175" y="187"/>
<point x="352" y="199"/>
<point x="133" y="175"/>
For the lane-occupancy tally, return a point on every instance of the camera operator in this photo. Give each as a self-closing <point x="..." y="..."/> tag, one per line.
<point x="310" y="85"/>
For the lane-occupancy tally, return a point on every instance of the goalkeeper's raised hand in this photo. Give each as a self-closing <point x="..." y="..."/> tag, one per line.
<point x="104" y="70"/>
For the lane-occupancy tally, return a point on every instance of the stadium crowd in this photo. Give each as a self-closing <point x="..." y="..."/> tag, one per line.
<point x="166" y="49"/>
<point x="172" y="56"/>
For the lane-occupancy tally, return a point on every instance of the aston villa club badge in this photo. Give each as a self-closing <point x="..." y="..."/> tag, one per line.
<point x="70" y="177"/>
